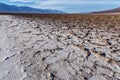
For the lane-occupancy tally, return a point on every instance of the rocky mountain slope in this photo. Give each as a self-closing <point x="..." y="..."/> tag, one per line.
<point x="59" y="47"/>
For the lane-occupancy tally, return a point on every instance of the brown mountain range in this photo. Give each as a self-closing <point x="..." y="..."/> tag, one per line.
<point x="115" y="10"/>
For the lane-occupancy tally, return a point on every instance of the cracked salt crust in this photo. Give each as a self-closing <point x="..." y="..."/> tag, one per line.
<point x="50" y="49"/>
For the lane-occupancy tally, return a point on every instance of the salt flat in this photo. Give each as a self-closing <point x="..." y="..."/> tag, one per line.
<point x="59" y="47"/>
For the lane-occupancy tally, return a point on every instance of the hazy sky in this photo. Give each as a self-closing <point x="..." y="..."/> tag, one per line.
<point x="72" y="6"/>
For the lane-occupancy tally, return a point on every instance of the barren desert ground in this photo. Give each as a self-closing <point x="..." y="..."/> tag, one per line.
<point x="59" y="47"/>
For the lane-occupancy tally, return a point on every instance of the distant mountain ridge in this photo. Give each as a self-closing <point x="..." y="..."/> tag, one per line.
<point x="115" y="10"/>
<point x="5" y="8"/>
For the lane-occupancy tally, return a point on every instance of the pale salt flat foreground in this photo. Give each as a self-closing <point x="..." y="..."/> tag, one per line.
<point x="30" y="49"/>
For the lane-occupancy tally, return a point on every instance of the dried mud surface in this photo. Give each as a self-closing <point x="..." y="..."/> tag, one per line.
<point x="59" y="47"/>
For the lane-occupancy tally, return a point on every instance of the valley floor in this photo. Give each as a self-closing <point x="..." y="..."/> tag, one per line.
<point x="59" y="47"/>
